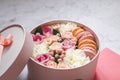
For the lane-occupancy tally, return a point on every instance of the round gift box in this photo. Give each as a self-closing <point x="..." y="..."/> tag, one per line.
<point x="37" y="71"/>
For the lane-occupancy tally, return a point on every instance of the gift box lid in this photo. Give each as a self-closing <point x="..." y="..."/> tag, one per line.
<point x="108" y="67"/>
<point x="15" y="57"/>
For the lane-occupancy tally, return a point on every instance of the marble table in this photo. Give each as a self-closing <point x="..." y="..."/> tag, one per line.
<point x="102" y="16"/>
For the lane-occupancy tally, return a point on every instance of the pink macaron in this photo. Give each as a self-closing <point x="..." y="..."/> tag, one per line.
<point x="85" y="34"/>
<point x="89" y="51"/>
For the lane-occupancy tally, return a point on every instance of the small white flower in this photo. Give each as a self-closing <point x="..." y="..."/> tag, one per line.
<point x="40" y="49"/>
<point x="76" y="58"/>
<point x="66" y="27"/>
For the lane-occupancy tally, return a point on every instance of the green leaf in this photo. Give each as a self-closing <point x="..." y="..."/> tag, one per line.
<point x="39" y="30"/>
<point x="55" y="32"/>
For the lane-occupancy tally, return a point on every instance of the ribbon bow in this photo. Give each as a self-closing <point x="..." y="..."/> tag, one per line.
<point x="4" y="42"/>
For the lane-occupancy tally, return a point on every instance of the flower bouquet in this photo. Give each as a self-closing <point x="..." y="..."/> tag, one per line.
<point x="63" y="45"/>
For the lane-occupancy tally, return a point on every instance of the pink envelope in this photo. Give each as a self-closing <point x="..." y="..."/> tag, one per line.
<point x="108" y="67"/>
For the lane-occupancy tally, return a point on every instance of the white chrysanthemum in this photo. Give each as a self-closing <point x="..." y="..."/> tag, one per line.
<point x="66" y="27"/>
<point x="40" y="48"/>
<point x="76" y="58"/>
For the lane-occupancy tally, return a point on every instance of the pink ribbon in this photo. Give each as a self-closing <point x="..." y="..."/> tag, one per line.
<point x="5" y="42"/>
<point x="1" y="47"/>
<point x="1" y="51"/>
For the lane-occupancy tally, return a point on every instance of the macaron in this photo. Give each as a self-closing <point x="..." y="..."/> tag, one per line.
<point x="89" y="48"/>
<point x="87" y="36"/>
<point x="89" y="52"/>
<point x="88" y="45"/>
<point x="84" y="33"/>
<point x="74" y="29"/>
<point x="77" y="31"/>
<point x="86" y="41"/>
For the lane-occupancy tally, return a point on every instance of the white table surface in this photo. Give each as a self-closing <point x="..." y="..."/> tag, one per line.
<point x="102" y="16"/>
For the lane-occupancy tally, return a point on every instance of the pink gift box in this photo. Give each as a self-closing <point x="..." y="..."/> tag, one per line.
<point x="108" y="67"/>
<point x="37" y="71"/>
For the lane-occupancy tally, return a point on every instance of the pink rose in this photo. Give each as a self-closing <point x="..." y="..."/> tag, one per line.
<point x="55" y="46"/>
<point x="37" y="37"/>
<point x="51" y="64"/>
<point x="63" y="65"/>
<point x="51" y="39"/>
<point x="67" y="44"/>
<point x="47" y="30"/>
<point x="67" y="35"/>
<point x="43" y="58"/>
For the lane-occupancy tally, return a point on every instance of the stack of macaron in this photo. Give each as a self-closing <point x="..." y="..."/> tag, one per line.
<point x="86" y="41"/>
